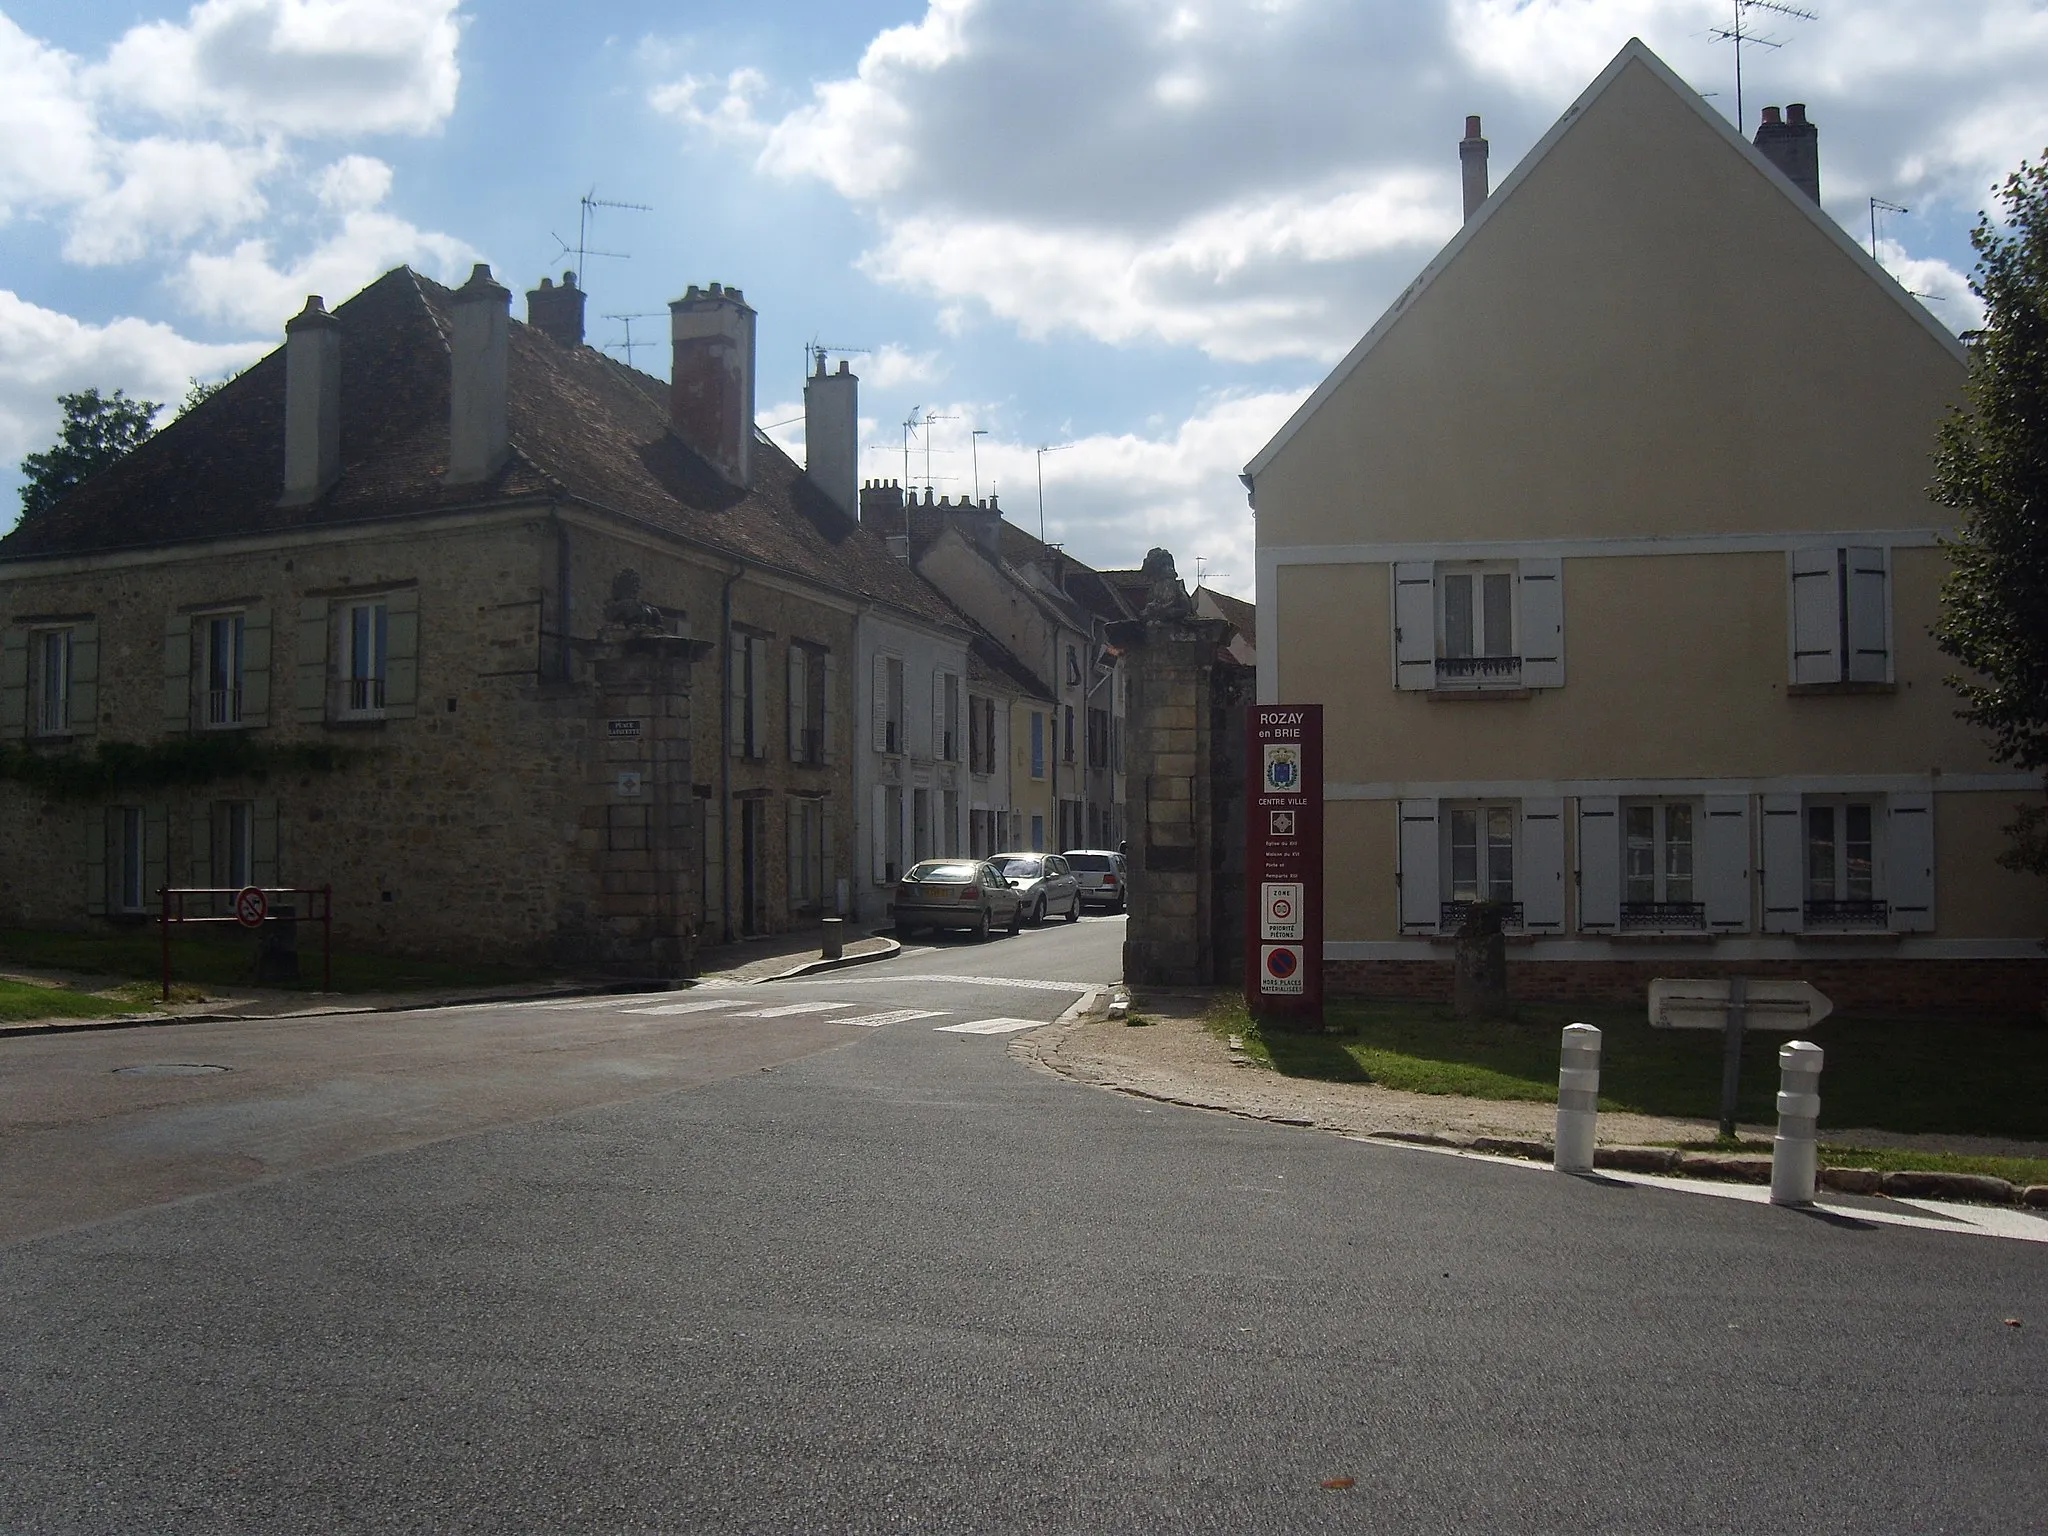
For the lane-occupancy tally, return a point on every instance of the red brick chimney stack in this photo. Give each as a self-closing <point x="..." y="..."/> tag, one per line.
<point x="711" y="389"/>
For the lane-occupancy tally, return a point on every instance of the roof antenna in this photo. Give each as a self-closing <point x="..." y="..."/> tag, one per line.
<point x="1739" y="34"/>
<point x="815" y="350"/>
<point x="1042" y="452"/>
<point x="627" y="320"/>
<point x="929" y="418"/>
<point x="586" y="207"/>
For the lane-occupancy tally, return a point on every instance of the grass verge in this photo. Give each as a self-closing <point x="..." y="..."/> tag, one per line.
<point x="1957" y="1075"/>
<point x="231" y="962"/>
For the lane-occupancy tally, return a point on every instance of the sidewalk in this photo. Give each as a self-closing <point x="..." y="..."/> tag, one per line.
<point x="1179" y="1061"/>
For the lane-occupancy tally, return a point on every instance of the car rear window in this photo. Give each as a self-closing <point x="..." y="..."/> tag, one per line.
<point x="1019" y="869"/>
<point x="944" y="873"/>
<point x="1093" y="861"/>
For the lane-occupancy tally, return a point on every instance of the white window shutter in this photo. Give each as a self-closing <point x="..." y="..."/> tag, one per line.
<point x="757" y="696"/>
<point x="1599" y="865"/>
<point x="794" y="673"/>
<point x="85" y="680"/>
<point x="1784" y="865"/>
<point x="938" y="715"/>
<point x="1415" y="626"/>
<point x="1542" y="621"/>
<point x="14" y="683"/>
<point x="1869" y="624"/>
<point x="736" y="694"/>
<point x="878" y="837"/>
<point x="1539" y="883"/>
<point x="1909" y="861"/>
<point x="178" y="672"/>
<point x="881" y="704"/>
<point x="1421" y="856"/>
<point x="309" y="690"/>
<point x="96" y="820"/>
<point x="401" y="653"/>
<point x="830" y="712"/>
<point x="1816" y="616"/>
<point x="256" y="666"/>
<point x="1724" y="863"/>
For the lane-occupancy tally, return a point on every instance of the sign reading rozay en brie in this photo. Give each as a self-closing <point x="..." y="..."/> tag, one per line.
<point x="1284" y="862"/>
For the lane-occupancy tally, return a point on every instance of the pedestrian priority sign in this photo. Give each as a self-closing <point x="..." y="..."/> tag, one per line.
<point x="1280" y="969"/>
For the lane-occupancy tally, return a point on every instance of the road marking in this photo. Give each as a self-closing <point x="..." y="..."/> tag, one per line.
<point x="894" y="1016"/>
<point x="567" y="1005"/>
<point x="989" y="1026"/>
<point x="1030" y="984"/>
<point x="695" y="1005"/>
<point x="784" y="1010"/>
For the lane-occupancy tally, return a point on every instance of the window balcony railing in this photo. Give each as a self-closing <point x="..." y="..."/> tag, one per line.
<point x="223" y="706"/>
<point x="362" y="696"/>
<point x="1848" y="914"/>
<point x="1451" y="915"/>
<point x="1478" y="671"/>
<point x="1663" y="917"/>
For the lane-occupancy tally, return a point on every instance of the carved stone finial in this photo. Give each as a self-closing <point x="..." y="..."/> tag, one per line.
<point x="626" y="608"/>
<point x="1166" y="600"/>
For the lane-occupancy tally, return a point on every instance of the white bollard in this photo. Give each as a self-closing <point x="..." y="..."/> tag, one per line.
<point x="1794" y="1161"/>
<point x="1578" y="1098"/>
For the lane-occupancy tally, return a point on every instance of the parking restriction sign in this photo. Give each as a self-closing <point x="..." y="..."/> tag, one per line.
<point x="251" y="906"/>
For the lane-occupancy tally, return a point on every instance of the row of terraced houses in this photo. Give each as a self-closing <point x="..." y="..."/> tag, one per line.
<point x="527" y="652"/>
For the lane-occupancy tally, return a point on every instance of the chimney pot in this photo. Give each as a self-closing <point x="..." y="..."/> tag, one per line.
<point x="832" y="435"/>
<point x="1472" y="165"/>
<point x="1795" y="113"/>
<point x="557" y="313"/>
<point x="1792" y="146"/>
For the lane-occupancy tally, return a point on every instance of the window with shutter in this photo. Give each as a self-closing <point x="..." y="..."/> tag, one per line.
<point x="1599" y="865"/>
<point x="878" y="705"/>
<point x="1541" y="622"/>
<point x="757" y="696"/>
<point x="1909" y="860"/>
<point x="1414" y="624"/>
<point x="256" y="667"/>
<point x="1842" y="865"/>
<point x="1420" y="847"/>
<point x="1783" y="859"/>
<point x="49" y="682"/>
<point x="1541" y="883"/>
<point x="402" y="654"/>
<point x="309" y="687"/>
<point x="1866" y="627"/>
<point x="1724" y="863"/>
<point x="1660" y="886"/>
<point x="1841" y="616"/>
<point x="83" y="712"/>
<point x="736" y="693"/>
<point x="177" y="700"/>
<point x="826" y="709"/>
<point x="797" y="712"/>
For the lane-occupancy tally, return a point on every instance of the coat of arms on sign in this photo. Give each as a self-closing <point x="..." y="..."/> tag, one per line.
<point x="1283" y="768"/>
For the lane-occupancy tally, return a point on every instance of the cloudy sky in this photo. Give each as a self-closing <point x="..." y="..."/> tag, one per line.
<point x="1138" y="231"/>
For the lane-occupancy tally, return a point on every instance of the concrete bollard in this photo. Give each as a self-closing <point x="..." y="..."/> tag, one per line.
<point x="1793" y="1157"/>
<point x="1578" y="1098"/>
<point x="835" y="942"/>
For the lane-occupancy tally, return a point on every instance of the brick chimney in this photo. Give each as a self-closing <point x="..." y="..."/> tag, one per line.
<point x="480" y="315"/>
<point x="711" y="389"/>
<point x="1792" y="144"/>
<point x="312" y="403"/>
<point x="832" y="435"/>
<point x="979" y="522"/>
<point x="1472" y="161"/>
<point x="557" y="312"/>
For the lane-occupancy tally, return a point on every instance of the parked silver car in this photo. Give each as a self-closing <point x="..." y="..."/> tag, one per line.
<point x="1043" y="882"/>
<point x="1104" y="876"/>
<point x="955" y="893"/>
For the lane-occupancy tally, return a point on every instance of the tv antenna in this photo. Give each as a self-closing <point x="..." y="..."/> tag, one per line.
<point x="1202" y="571"/>
<point x="1042" y="452"/>
<point x="1877" y="203"/>
<point x="929" y="418"/>
<point x="1739" y="34"/>
<point x="627" y="321"/>
<point x="974" y="447"/>
<point x="909" y="431"/>
<point x="586" y="208"/>
<point x="814" y="354"/>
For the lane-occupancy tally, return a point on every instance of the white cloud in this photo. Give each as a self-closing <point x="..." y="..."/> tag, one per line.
<point x="48" y="143"/>
<point x="248" y="287"/>
<point x="731" y="116"/>
<point x="44" y="354"/>
<point x="168" y="189"/>
<point x="890" y="367"/>
<point x="353" y="182"/>
<point x="294" y="66"/>
<point x="1940" y="286"/>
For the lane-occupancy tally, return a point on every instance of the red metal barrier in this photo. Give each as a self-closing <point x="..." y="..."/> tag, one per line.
<point x="249" y="907"/>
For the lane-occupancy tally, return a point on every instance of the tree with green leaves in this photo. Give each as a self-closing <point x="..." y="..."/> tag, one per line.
<point x="1993" y="467"/>
<point x="98" y="429"/>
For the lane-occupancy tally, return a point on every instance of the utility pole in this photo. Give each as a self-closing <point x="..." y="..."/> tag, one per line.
<point x="974" y="447"/>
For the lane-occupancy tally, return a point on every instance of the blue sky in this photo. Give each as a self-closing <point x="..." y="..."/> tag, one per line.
<point x="1142" y="229"/>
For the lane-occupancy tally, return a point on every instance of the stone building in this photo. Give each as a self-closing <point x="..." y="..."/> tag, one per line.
<point x="523" y="651"/>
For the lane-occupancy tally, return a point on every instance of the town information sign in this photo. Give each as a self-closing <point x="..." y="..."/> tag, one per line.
<point x="1283" y="963"/>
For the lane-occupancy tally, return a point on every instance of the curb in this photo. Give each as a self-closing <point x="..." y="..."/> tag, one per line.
<point x="160" y="1020"/>
<point x="811" y="966"/>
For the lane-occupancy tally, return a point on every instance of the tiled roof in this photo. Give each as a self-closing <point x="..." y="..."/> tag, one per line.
<point x="1241" y="614"/>
<point x="583" y="427"/>
<point x="990" y="661"/>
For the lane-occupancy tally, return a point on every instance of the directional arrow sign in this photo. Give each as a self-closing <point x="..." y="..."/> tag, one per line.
<point x="1677" y="1003"/>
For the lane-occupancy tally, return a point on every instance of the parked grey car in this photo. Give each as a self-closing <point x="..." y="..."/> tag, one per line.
<point x="955" y="893"/>
<point x="1104" y="876"/>
<point x="1044" y="882"/>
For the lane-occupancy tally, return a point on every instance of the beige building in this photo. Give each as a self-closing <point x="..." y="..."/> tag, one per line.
<point x="527" y="654"/>
<point x="1609" y="553"/>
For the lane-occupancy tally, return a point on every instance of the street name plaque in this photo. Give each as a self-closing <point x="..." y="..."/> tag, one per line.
<point x="1283" y="961"/>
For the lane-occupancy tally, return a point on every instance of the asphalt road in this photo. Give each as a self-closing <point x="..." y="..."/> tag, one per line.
<point x="894" y="1280"/>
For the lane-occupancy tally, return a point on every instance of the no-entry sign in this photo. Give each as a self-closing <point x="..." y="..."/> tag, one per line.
<point x="251" y="906"/>
<point x="1284" y="862"/>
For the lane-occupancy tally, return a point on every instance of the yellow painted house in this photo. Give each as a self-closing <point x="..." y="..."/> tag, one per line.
<point x="1610" y="554"/>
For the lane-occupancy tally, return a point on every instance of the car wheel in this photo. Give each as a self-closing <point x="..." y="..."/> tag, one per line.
<point x="1074" y="911"/>
<point x="1037" y="913"/>
<point x="1016" y="919"/>
<point x="981" y="928"/>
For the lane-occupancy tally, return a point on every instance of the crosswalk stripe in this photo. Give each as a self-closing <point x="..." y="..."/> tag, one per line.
<point x="989" y="1026"/>
<point x="784" y="1010"/>
<point x="695" y="1005"/>
<point x="894" y="1016"/>
<point x="1025" y="983"/>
